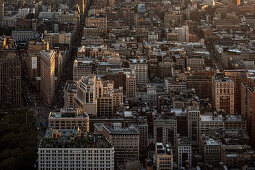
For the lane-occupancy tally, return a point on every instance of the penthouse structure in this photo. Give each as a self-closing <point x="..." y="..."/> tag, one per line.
<point x="68" y="118"/>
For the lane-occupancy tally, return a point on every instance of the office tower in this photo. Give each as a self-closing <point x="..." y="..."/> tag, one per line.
<point x="193" y="115"/>
<point x="164" y="157"/>
<point x="130" y="86"/>
<point x="85" y="98"/>
<point x="81" y="68"/>
<point x="223" y="93"/>
<point x="68" y="118"/>
<point x="124" y="140"/>
<point x="71" y="149"/>
<point x="69" y="92"/>
<point x="184" y="153"/>
<point x="140" y="69"/>
<point x="10" y="77"/>
<point x="165" y="129"/>
<point x="1" y="10"/>
<point x="202" y="83"/>
<point x="47" y="85"/>
<point x="238" y="77"/>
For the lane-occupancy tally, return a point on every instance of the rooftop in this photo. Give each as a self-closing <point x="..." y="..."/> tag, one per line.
<point x="70" y="139"/>
<point x="67" y="113"/>
<point x="116" y="129"/>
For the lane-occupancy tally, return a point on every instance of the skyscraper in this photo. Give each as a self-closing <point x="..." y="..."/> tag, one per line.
<point x="47" y="86"/>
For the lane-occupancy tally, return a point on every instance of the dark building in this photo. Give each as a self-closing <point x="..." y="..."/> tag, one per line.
<point x="10" y="78"/>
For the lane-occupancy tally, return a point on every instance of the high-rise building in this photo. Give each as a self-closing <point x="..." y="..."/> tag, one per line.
<point x="68" y="118"/>
<point x="140" y="69"/>
<point x="124" y="140"/>
<point x="10" y="76"/>
<point x="223" y="93"/>
<point x="193" y="115"/>
<point x="1" y="10"/>
<point x="47" y="85"/>
<point x="248" y="104"/>
<point x="238" y="77"/>
<point x="164" y="157"/>
<point x="165" y="129"/>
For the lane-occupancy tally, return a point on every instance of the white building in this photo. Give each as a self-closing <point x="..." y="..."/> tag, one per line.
<point x="67" y="149"/>
<point x="184" y="152"/>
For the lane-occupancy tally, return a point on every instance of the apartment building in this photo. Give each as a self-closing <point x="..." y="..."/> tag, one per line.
<point x="223" y="94"/>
